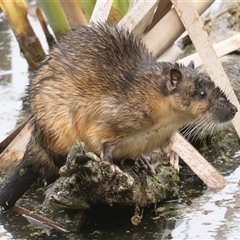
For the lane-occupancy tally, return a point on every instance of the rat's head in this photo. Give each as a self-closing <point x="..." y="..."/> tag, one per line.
<point x="196" y="98"/>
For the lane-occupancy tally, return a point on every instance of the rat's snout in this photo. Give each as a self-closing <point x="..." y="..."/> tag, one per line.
<point x="224" y="111"/>
<point x="232" y="111"/>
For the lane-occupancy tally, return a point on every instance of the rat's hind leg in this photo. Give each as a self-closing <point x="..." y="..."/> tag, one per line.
<point x="106" y="155"/>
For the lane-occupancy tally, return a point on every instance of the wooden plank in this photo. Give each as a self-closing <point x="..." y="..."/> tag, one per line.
<point x="13" y="154"/>
<point x="222" y="48"/>
<point x="38" y="220"/>
<point x="163" y="8"/>
<point x="166" y="31"/>
<point x="138" y="16"/>
<point x="171" y="54"/>
<point x="205" y="171"/>
<point x="101" y="11"/>
<point x="11" y="136"/>
<point x="203" y="45"/>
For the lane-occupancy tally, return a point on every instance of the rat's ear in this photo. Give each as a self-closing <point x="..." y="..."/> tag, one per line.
<point x="175" y="77"/>
<point x="191" y="64"/>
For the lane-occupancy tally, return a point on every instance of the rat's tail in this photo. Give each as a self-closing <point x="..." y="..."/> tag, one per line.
<point x="35" y="164"/>
<point x="17" y="185"/>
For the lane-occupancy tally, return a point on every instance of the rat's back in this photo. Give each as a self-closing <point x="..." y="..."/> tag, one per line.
<point x="89" y="73"/>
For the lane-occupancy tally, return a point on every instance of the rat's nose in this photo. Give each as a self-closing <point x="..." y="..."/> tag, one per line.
<point x="233" y="109"/>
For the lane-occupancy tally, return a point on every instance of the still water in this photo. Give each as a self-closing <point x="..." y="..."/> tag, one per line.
<point x="198" y="213"/>
<point x="13" y="79"/>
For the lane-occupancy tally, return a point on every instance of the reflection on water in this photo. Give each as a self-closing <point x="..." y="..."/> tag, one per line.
<point x="214" y="215"/>
<point x="13" y="79"/>
<point x="5" y="53"/>
<point x="13" y="74"/>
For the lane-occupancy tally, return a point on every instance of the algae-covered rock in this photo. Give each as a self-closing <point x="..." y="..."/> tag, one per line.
<point x="85" y="180"/>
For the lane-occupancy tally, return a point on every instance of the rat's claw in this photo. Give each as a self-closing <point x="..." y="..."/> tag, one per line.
<point x="115" y="168"/>
<point x="143" y="162"/>
<point x="174" y="160"/>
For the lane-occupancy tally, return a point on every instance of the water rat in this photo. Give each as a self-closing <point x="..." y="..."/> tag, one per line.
<point x="101" y="85"/>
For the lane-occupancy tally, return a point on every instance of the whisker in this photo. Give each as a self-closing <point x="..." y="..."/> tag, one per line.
<point x="200" y="128"/>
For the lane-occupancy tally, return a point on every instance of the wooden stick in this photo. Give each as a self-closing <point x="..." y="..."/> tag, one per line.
<point x="138" y="16"/>
<point x="169" y="29"/>
<point x="13" y="154"/>
<point x="203" y="45"/>
<point x="49" y="37"/>
<point x="73" y="13"/>
<point x="222" y="48"/>
<point x="163" y="8"/>
<point x="11" y="136"/>
<point x="37" y="219"/>
<point x="16" y="12"/>
<point x="101" y="11"/>
<point x="205" y="171"/>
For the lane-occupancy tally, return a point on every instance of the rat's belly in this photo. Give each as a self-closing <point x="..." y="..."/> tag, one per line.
<point x="141" y="142"/>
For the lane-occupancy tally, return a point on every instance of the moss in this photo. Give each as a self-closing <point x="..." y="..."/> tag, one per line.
<point x="85" y="180"/>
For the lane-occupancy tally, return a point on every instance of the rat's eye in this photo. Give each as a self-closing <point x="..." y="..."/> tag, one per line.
<point x="202" y="94"/>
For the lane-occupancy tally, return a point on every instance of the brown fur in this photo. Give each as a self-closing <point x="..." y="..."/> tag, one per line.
<point x="101" y="85"/>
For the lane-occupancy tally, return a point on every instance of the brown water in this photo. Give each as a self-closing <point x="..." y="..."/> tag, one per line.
<point x="198" y="213"/>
